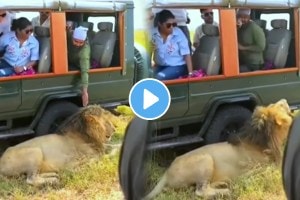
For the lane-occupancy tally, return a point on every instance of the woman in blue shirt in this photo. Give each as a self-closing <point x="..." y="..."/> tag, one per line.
<point x="21" y="49"/>
<point x="171" y="50"/>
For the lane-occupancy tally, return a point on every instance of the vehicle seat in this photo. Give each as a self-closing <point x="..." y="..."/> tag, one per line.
<point x="102" y="46"/>
<point x="42" y="34"/>
<point x="263" y="24"/>
<point x="91" y="33"/>
<point x="105" y="26"/>
<point x="278" y="43"/>
<point x="207" y="54"/>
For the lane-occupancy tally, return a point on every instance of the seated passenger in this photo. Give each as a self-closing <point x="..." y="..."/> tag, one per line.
<point x="21" y="49"/>
<point x="251" y="42"/>
<point x="79" y="54"/>
<point x="171" y="49"/>
<point x="208" y="16"/>
<point x="43" y="19"/>
<point x="5" y="21"/>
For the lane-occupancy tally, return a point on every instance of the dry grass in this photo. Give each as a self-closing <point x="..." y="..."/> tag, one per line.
<point x="262" y="183"/>
<point x="99" y="180"/>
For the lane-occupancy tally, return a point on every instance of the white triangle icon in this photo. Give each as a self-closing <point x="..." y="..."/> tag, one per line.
<point x="149" y="99"/>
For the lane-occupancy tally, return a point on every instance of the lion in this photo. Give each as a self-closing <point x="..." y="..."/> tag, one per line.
<point x="211" y="167"/>
<point x="82" y="136"/>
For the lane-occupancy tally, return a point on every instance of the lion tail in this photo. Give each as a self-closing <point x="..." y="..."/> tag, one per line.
<point x="158" y="188"/>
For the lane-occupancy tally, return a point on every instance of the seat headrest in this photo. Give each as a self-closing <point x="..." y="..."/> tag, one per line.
<point x="211" y="30"/>
<point x="105" y="26"/>
<point x="42" y="31"/>
<point x="279" y="23"/>
<point x="89" y="25"/>
<point x="261" y="22"/>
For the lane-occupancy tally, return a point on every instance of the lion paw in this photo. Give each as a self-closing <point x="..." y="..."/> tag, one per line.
<point x="38" y="180"/>
<point x="210" y="193"/>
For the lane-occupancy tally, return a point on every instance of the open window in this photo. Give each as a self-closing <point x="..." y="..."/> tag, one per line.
<point x="278" y="28"/>
<point x="103" y="37"/>
<point x="204" y="36"/>
<point x="41" y="32"/>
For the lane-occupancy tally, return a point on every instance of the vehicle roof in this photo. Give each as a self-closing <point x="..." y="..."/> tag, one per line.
<point x="218" y="3"/>
<point x="103" y="5"/>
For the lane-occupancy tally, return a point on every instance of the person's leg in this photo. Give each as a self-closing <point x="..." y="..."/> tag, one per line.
<point x="157" y="70"/>
<point x="5" y="69"/>
<point x="172" y="72"/>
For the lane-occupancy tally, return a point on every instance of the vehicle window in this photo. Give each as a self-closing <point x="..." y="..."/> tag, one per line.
<point x="203" y="40"/>
<point x="270" y="16"/>
<point x="103" y="40"/>
<point x="28" y="15"/>
<point x="98" y="19"/>
<point x="36" y="58"/>
<point x="278" y="50"/>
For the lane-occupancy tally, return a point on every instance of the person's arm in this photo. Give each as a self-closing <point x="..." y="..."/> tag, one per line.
<point x="259" y="41"/>
<point x="188" y="60"/>
<point x="84" y="61"/>
<point x="196" y="39"/>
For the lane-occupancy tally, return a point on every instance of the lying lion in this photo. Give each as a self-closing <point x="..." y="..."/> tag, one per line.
<point x="211" y="166"/>
<point x="81" y="136"/>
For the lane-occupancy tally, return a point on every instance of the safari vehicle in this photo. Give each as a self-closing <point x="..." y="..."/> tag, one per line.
<point x="208" y="109"/>
<point x="35" y="104"/>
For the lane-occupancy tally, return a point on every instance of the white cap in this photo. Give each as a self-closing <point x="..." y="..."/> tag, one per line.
<point x="80" y="33"/>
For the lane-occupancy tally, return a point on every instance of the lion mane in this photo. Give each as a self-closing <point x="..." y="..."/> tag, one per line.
<point x="82" y="136"/>
<point x="211" y="167"/>
<point x="93" y="130"/>
<point x="262" y="131"/>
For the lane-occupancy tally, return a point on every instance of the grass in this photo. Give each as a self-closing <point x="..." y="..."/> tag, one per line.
<point x="98" y="180"/>
<point x="262" y="183"/>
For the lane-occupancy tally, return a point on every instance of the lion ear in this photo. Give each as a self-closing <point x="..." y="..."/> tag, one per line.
<point x="280" y="120"/>
<point x="90" y="118"/>
<point x="260" y="117"/>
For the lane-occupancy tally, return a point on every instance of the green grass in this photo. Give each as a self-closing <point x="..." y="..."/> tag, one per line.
<point x="98" y="179"/>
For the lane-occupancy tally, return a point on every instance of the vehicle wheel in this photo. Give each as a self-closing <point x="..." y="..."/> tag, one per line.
<point x="227" y="121"/>
<point x="139" y="70"/>
<point x="54" y="115"/>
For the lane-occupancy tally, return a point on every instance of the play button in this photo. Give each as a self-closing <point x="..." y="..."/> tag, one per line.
<point x="149" y="99"/>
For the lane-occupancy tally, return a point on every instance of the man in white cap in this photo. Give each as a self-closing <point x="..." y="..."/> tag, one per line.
<point x="79" y="52"/>
<point x="252" y="42"/>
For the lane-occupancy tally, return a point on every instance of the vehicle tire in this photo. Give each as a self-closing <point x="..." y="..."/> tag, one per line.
<point x="227" y="121"/>
<point x="139" y="70"/>
<point x="54" y="115"/>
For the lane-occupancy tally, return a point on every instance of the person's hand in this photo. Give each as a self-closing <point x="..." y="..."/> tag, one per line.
<point x="239" y="23"/>
<point x="19" y="69"/>
<point x="241" y="47"/>
<point x="85" y="98"/>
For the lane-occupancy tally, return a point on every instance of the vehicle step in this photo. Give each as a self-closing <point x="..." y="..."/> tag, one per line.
<point x="180" y="141"/>
<point x="15" y="133"/>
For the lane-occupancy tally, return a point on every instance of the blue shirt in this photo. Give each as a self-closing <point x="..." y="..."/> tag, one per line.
<point x="172" y="52"/>
<point x="16" y="55"/>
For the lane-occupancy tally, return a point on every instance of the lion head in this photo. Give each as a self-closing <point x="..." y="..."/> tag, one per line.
<point x="268" y="128"/>
<point x="93" y="123"/>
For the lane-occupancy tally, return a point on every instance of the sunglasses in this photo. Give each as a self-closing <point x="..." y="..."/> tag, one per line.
<point x="208" y="14"/>
<point x="168" y="25"/>
<point x="28" y="31"/>
<point x="3" y="15"/>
